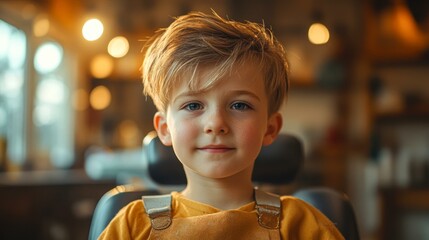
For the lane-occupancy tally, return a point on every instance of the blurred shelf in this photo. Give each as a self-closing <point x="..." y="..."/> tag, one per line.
<point x="305" y="85"/>
<point x="421" y="61"/>
<point x="44" y="178"/>
<point x="414" y="115"/>
<point x="412" y="198"/>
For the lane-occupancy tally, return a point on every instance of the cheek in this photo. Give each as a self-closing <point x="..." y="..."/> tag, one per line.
<point x="183" y="130"/>
<point x="251" y="132"/>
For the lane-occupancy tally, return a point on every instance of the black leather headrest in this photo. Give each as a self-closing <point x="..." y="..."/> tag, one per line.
<point x="277" y="163"/>
<point x="163" y="165"/>
<point x="280" y="162"/>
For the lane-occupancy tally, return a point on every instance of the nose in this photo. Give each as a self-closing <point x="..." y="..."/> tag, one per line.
<point x="216" y="123"/>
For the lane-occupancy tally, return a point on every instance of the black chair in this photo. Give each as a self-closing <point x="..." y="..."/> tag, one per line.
<point x="278" y="163"/>
<point x="335" y="205"/>
<point x="111" y="203"/>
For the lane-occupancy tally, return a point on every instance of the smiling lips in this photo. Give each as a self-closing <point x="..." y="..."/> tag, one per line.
<point x="215" y="148"/>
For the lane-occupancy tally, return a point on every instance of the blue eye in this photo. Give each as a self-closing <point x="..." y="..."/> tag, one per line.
<point x="193" y="106"/>
<point x="240" y="106"/>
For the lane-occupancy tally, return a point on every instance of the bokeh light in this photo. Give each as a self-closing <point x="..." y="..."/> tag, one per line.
<point x="118" y="47"/>
<point x="318" y="34"/>
<point x="101" y="66"/>
<point x="51" y="91"/>
<point x="12" y="84"/>
<point x="92" y="29"/>
<point x="17" y="49"/>
<point x="48" y="57"/>
<point x="41" y="26"/>
<point x="5" y="33"/>
<point x="100" y="97"/>
<point x="43" y="115"/>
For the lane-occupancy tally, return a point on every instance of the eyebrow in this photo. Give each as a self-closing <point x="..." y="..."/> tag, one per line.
<point x="233" y="93"/>
<point x="244" y="92"/>
<point x="186" y="94"/>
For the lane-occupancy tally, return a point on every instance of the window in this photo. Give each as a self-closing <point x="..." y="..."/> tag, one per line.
<point x="52" y="119"/>
<point x="36" y="115"/>
<point x="12" y="94"/>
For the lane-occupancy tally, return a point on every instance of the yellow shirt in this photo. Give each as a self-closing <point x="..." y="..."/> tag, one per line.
<point x="298" y="219"/>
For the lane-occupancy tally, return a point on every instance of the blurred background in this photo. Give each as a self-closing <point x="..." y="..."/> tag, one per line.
<point x="72" y="113"/>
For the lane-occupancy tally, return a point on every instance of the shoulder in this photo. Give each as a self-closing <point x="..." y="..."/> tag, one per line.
<point x="291" y="203"/>
<point x="295" y="208"/>
<point x="135" y="207"/>
<point x="131" y="211"/>
<point x="129" y="223"/>
<point x="305" y="221"/>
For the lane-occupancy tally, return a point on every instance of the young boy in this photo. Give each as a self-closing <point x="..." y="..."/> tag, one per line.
<point x="218" y="86"/>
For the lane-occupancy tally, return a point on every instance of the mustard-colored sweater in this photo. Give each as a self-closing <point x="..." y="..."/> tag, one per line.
<point x="299" y="220"/>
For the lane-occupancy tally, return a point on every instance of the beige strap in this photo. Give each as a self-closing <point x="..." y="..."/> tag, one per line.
<point x="268" y="206"/>
<point x="158" y="209"/>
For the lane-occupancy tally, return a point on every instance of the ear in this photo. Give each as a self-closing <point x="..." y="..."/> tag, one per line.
<point x="161" y="127"/>
<point x="275" y="123"/>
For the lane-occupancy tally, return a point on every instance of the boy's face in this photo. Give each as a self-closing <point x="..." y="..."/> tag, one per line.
<point x="219" y="132"/>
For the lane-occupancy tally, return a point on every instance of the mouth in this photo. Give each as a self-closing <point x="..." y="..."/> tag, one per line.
<point x="215" y="149"/>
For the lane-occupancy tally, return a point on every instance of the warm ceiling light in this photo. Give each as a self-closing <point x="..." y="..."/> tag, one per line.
<point x="92" y="29"/>
<point x="100" y="98"/>
<point x="41" y="26"/>
<point x="101" y="66"/>
<point x="398" y="22"/>
<point x="118" y="47"/>
<point x="318" y="34"/>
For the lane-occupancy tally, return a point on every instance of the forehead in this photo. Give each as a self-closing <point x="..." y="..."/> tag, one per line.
<point x="208" y="76"/>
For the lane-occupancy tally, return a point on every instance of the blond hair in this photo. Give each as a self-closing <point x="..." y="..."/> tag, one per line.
<point x="197" y="39"/>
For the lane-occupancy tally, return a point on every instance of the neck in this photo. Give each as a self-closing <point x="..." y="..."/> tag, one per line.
<point x="226" y="193"/>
